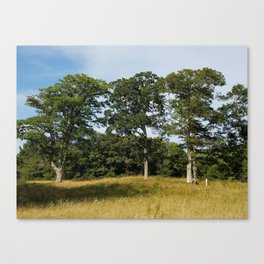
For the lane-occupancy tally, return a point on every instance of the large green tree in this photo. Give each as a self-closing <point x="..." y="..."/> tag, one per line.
<point x="65" y="112"/>
<point x="136" y="104"/>
<point x="191" y="96"/>
<point x="232" y="132"/>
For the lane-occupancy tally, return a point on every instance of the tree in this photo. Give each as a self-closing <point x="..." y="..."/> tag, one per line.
<point x="234" y="114"/>
<point x="232" y="131"/>
<point x="191" y="95"/>
<point x="122" y="153"/>
<point x="135" y="105"/>
<point x="66" y="112"/>
<point x="105" y="155"/>
<point x="31" y="164"/>
<point x="168" y="158"/>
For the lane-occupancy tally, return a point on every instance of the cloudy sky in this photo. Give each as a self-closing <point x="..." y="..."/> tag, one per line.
<point x="42" y="66"/>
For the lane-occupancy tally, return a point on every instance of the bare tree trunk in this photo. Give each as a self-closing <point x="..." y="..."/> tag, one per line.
<point x="145" y="165"/>
<point x="144" y="129"/>
<point x="194" y="172"/>
<point x="145" y="169"/>
<point x="59" y="172"/>
<point x="189" y="176"/>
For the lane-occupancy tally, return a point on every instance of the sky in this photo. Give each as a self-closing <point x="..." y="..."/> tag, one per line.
<point x="42" y="66"/>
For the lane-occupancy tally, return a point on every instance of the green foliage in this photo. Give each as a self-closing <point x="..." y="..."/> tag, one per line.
<point x="106" y="155"/>
<point x="232" y="132"/>
<point x="66" y="113"/>
<point x="171" y="161"/>
<point x="191" y="96"/>
<point x="63" y="131"/>
<point x="244" y="170"/>
<point x="245" y="166"/>
<point x="214" y="172"/>
<point x="136" y="103"/>
<point x="31" y="165"/>
<point x="192" y="93"/>
<point x="233" y="115"/>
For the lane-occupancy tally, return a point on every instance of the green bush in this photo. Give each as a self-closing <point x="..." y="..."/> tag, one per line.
<point x="244" y="170"/>
<point x="214" y="172"/>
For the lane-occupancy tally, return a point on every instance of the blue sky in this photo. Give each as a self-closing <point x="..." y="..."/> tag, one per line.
<point x="42" y="66"/>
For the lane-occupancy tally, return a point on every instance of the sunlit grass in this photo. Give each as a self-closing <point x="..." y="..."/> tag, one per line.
<point x="131" y="197"/>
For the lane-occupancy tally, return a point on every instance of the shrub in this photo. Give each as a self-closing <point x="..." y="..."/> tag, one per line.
<point x="214" y="172"/>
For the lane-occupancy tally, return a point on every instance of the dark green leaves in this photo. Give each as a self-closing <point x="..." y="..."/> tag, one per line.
<point x="136" y="103"/>
<point x="191" y="94"/>
<point x="66" y="111"/>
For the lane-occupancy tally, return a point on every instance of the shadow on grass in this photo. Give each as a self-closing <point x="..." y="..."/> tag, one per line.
<point x="32" y="194"/>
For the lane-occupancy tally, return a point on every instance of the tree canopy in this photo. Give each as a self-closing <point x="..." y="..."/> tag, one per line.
<point x="63" y="135"/>
<point x="136" y="104"/>
<point x="66" y="112"/>
<point x="192" y="94"/>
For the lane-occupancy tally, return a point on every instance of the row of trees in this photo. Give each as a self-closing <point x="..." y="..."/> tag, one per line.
<point x="106" y="155"/>
<point x="62" y="134"/>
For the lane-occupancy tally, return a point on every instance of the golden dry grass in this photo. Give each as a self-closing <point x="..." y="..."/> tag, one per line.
<point x="131" y="197"/>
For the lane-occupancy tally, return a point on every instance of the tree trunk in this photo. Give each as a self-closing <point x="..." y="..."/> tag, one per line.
<point x="145" y="165"/>
<point x="145" y="169"/>
<point x="59" y="172"/>
<point x="194" y="171"/>
<point x="189" y="175"/>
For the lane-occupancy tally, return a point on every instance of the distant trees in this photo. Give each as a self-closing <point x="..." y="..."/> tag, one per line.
<point x="62" y="136"/>
<point x="31" y="164"/>
<point x="105" y="155"/>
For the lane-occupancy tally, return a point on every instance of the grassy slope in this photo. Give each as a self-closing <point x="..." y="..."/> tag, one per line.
<point x="131" y="197"/>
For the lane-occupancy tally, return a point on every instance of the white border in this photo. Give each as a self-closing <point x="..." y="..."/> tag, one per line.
<point x="138" y="22"/>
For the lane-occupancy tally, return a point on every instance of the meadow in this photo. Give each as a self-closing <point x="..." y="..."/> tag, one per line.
<point x="132" y="198"/>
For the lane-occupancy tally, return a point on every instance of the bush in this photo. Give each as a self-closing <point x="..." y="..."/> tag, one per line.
<point x="110" y="173"/>
<point x="32" y="166"/>
<point x="214" y="172"/>
<point x="244" y="170"/>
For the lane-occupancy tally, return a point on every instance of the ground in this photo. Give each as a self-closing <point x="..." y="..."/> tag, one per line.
<point x="132" y="197"/>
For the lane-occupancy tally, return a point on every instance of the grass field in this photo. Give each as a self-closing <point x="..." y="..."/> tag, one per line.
<point x="131" y="197"/>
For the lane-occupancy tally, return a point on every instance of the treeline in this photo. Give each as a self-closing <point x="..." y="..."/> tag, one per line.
<point x="62" y="138"/>
<point x="106" y="155"/>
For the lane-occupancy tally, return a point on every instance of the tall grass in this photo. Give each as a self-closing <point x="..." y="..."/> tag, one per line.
<point x="131" y="197"/>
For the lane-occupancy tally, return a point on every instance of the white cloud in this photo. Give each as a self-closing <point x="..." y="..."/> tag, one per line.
<point x="112" y="62"/>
